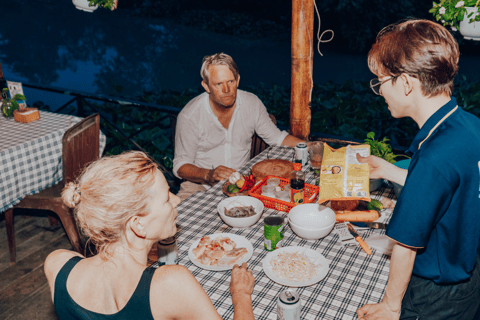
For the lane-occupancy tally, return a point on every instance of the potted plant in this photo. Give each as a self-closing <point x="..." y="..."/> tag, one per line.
<point x="92" y="5"/>
<point x="459" y="15"/>
<point x="7" y="105"/>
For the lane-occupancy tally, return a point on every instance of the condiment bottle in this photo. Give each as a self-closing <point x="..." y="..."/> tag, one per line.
<point x="297" y="184"/>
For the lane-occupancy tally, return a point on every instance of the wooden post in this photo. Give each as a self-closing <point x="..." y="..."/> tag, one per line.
<point x="302" y="64"/>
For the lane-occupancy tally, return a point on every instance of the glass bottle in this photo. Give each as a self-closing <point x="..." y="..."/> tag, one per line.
<point x="297" y="184"/>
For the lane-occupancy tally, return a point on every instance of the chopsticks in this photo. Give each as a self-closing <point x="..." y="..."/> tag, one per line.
<point x="359" y="239"/>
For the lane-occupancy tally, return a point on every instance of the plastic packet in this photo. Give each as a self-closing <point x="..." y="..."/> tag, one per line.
<point x="342" y="177"/>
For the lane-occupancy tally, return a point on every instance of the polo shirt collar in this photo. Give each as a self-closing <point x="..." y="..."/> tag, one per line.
<point x="429" y="124"/>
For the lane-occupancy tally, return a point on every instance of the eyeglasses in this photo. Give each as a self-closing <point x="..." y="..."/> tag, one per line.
<point x="375" y="84"/>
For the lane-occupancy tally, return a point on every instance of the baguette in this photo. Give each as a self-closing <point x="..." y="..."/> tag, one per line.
<point x="357" y="216"/>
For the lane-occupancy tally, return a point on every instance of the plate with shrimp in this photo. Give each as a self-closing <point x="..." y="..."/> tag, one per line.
<point x="220" y="251"/>
<point x="295" y="266"/>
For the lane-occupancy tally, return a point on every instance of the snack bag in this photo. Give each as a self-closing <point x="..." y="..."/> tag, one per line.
<point x="342" y="177"/>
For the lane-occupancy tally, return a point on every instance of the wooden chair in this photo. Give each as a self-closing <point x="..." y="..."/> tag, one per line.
<point x="258" y="145"/>
<point x="80" y="147"/>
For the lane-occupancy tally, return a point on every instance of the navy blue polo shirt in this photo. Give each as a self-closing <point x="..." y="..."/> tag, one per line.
<point x="439" y="207"/>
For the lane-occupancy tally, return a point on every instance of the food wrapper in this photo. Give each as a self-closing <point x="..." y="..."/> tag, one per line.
<point x="342" y="177"/>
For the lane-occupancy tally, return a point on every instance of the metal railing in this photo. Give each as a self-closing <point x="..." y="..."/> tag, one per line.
<point x="165" y="119"/>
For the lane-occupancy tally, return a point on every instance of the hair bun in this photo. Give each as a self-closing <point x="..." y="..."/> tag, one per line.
<point x="71" y="194"/>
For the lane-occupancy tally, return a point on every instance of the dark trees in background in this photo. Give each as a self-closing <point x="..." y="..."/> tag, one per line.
<point x="355" y="22"/>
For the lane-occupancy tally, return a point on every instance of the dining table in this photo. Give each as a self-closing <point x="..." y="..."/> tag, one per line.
<point x="31" y="155"/>
<point x="353" y="279"/>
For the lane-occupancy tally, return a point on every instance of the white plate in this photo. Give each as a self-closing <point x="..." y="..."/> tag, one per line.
<point x="241" y="242"/>
<point x="314" y="256"/>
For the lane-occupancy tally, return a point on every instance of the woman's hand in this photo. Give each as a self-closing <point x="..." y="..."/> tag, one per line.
<point x="241" y="289"/>
<point x="242" y="281"/>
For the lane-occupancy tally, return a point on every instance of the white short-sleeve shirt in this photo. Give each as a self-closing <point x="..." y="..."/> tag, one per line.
<point x="201" y="139"/>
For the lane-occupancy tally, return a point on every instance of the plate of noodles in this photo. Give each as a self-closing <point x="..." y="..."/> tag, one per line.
<point x="295" y="266"/>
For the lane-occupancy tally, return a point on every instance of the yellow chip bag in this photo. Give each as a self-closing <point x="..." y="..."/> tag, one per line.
<point x="342" y="177"/>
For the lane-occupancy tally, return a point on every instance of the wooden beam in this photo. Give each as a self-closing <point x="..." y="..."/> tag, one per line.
<point x="302" y="65"/>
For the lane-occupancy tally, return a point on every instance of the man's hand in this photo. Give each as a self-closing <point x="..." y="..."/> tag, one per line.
<point x="218" y="174"/>
<point x="378" y="166"/>
<point x="380" y="311"/>
<point x="242" y="282"/>
<point x="382" y="169"/>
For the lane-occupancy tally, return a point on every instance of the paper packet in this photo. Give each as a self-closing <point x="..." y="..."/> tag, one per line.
<point x="342" y="177"/>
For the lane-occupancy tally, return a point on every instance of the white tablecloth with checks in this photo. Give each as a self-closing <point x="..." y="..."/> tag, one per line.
<point x="31" y="155"/>
<point x="354" y="279"/>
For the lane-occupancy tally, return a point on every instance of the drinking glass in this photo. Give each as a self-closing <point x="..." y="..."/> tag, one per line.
<point x="316" y="155"/>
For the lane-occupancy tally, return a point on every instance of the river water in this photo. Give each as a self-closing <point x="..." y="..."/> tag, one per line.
<point x="55" y="44"/>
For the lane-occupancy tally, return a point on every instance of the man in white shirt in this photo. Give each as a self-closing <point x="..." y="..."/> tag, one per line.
<point x="215" y="129"/>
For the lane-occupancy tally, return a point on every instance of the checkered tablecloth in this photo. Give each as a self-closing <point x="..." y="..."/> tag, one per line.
<point x="31" y="155"/>
<point x="354" y="278"/>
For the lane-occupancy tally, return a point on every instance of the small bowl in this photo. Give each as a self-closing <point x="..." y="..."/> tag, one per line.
<point x="311" y="234"/>
<point x="242" y="222"/>
<point x="312" y="216"/>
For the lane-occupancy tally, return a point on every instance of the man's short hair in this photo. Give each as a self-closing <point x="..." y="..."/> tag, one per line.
<point x="420" y="48"/>
<point x="218" y="59"/>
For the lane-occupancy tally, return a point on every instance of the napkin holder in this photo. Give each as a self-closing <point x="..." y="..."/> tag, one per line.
<point x="26" y="115"/>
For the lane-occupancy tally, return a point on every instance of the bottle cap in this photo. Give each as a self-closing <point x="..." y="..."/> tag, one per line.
<point x="297" y="166"/>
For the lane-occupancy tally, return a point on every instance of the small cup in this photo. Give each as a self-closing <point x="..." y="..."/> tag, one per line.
<point x="287" y="188"/>
<point x="273" y="182"/>
<point x="283" y="195"/>
<point x="316" y="155"/>
<point x="268" y="191"/>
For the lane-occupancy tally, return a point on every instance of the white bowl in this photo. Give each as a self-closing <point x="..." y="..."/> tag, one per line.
<point x="311" y="234"/>
<point x="239" y="201"/>
<point x="312" y="216"/>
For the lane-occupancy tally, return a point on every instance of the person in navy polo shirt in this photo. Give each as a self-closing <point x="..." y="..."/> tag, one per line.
<point x="434" y="268"/>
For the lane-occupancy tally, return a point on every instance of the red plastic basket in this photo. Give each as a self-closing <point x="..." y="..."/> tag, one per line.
<point x="311" y="193"/>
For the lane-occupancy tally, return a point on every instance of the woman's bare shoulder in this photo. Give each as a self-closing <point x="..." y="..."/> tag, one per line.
<point x="172" y="273"/>
<point x="56" y="260"/>
<point x="177" y="294"/>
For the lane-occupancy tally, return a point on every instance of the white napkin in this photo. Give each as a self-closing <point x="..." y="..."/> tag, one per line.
<point x="381" y="243"/>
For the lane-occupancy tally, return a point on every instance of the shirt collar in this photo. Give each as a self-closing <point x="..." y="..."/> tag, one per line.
<point x="209" y="108"/>
<point x="429" y="124"/>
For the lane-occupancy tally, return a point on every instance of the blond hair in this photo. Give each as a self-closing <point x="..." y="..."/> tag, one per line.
<point x="108" y="193"/>
<point x="215" y="60"/>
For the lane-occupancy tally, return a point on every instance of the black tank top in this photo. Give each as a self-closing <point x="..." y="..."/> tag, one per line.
<point x="138" y="307"/>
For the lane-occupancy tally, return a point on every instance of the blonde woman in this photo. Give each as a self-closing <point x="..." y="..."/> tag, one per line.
<point x="123" y="204"/>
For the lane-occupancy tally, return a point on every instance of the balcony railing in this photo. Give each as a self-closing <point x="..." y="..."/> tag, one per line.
<point x="130" y="124"/>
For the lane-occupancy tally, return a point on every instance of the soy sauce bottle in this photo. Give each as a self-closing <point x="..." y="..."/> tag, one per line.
<point x="297" y="184"/>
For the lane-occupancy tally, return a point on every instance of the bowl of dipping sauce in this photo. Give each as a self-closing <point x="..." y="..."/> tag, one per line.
<point x="240" y="211"/>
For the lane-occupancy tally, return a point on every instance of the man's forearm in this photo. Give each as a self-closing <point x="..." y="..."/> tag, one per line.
<point x="195" y="174"/>
<point x="397" y="175"/>
<point x="291" y="141"/>
<point x="401" y="266"/>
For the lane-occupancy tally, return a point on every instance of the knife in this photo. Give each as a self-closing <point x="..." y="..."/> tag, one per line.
<point x="373" y="225"/>
<point x="359" y="239"/>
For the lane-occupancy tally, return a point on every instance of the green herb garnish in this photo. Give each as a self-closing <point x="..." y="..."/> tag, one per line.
<point x="380" y="148"/>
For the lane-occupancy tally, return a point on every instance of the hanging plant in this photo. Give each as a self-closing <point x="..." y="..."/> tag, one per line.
<point x="452" y="12"/>
<point x="107" y="4"/>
